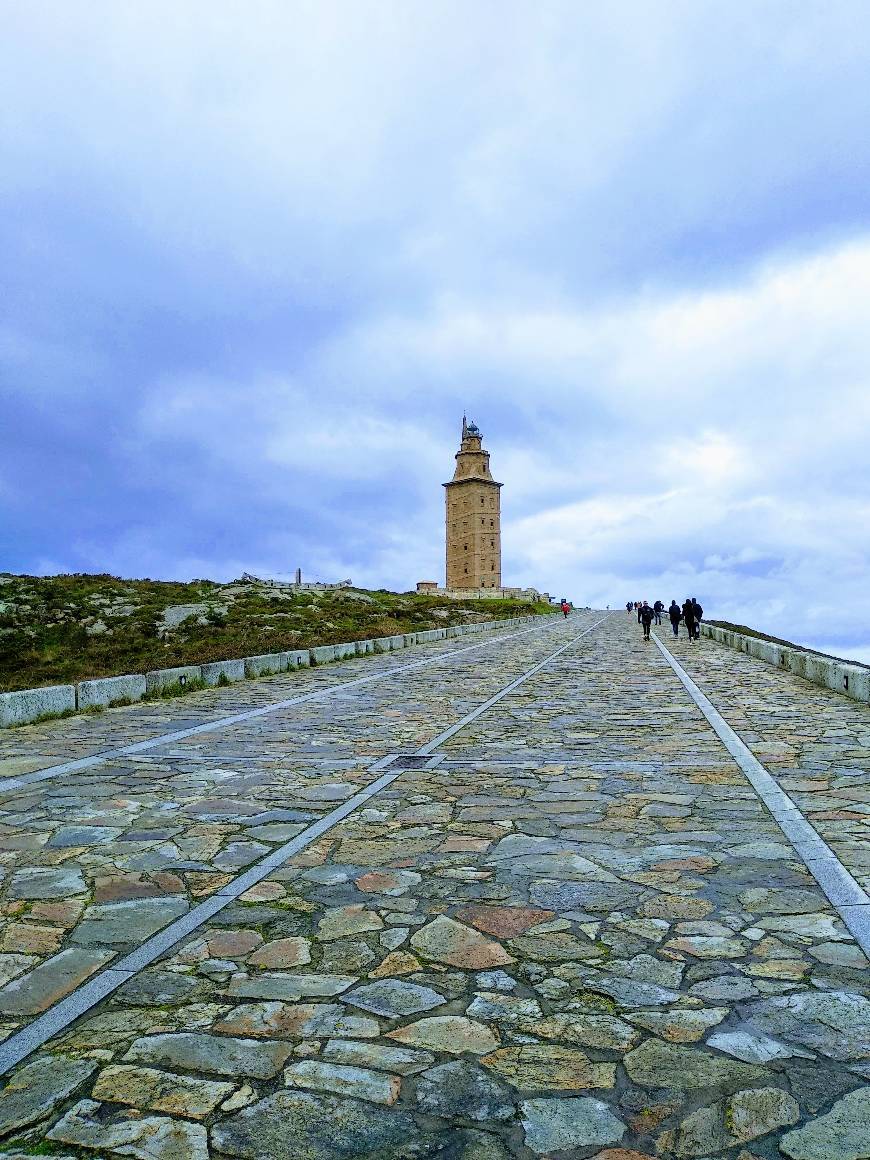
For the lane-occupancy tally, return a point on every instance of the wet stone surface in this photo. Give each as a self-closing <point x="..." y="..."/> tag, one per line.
<point x="581" y="935"/>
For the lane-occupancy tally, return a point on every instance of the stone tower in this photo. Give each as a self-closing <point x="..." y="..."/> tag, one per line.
<point x="473" y="517"/>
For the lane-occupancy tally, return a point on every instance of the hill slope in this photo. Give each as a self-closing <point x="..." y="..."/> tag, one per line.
<point x="61" y="629"/>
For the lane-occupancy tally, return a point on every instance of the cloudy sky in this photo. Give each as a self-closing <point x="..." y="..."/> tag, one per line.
<point x="257" y="258"/>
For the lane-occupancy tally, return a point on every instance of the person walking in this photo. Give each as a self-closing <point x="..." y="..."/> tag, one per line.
<point x="657" y="611"/>
<point x="628" y="606"/>
<point x="646" y="618"/>
<point x="699" y="616"/>
<point x="566" y="608"/>
<point x="675" y="617"/>
<point x="639" y="605"/>
<point x="689" y="616"/>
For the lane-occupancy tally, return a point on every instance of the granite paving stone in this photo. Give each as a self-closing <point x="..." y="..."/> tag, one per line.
<point x="37" y="1088"/>
<point x="344" y="1080"/>
<point x="125" y="1134"/>
<point x="161" y="1091"/>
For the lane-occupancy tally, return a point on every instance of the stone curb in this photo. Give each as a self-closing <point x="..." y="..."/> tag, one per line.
<point x="267" y="664"/>
<point x="105" y="690"/>
<point x="230" y="670"/>
<point x="829" y="672"/>
<point x="159" y="679"/>
<point x="26" y="705"/>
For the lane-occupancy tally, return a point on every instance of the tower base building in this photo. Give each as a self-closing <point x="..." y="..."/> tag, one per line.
<point x="472" y="517"/>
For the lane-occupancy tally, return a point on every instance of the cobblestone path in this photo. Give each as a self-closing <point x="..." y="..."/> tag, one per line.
<point x="570" y="929"/>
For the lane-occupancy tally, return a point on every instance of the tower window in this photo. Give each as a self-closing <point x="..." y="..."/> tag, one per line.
<point x="492" y="523"/>
<point x="482" y="501"/>
<point x="465" y="546"/>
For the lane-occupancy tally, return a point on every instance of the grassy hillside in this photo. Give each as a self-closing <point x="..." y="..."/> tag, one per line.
<point x="62" y="629"/>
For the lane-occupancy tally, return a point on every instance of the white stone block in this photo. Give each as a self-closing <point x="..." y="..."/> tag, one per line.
<point x="322" y="655"/>
<point x="230" y="670"/>
<point x="299" y="658"/>
<point x="816" y="668"/>
<point x="769" y="652"/>
<point x="344" y="652"/>
<point x="859" y="684"/>
<point x="27" y="704"/>
<point x="796" y="662"/>
<point x="364" y="647"/>
<point x="382" y="644"/>
<point x="159" y="679"/>
<point x="105" y="690"/>
<point x="266" y="664"/>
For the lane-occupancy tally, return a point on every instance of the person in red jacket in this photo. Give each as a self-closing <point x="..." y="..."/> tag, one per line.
<point x="566" y="608"/>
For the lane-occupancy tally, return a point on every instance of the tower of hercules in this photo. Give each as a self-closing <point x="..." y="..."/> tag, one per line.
<point x="473" y="517"/>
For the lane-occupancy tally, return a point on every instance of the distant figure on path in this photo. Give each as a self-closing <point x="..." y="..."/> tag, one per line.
<point x="646" y="618"/>
<point x="639" y="606"/>
<point x="676" y="616"/>
<point x="629" y="604"/>
<point x="657" y="610"/>
<point x="699" y="616"/>
<point x="689" y="616"/>
<point x="566" y="608"/>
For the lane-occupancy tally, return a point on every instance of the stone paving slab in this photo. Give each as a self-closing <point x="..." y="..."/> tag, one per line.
<point x="580" y="935"/>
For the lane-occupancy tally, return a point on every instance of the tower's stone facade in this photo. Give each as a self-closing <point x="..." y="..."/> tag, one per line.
<point x="473" y="517"/>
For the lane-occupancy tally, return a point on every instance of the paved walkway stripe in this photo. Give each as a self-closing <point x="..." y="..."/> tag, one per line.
<point x="841" y="889"/>
<point x="95" y="759"/>
<point x="58" y="1017"/>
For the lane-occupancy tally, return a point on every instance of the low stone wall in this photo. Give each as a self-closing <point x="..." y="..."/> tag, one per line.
<point x="839" y="675"/>
<point x="27" y="705"/>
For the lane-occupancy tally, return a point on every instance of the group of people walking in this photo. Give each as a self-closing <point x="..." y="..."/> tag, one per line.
<point x="690" y="613"/>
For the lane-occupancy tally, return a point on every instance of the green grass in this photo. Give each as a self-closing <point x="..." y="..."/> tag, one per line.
<point x="176" y="689"/>
<point x="44" y="622"/>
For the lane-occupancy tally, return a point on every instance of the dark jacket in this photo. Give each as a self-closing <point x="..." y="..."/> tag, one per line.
<point x="646" y="615"/>
<point x="689" y="612"/>
<point x="698" y="610"/>
<point x="658" y="606"/>
<point x="674" y="612"/>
